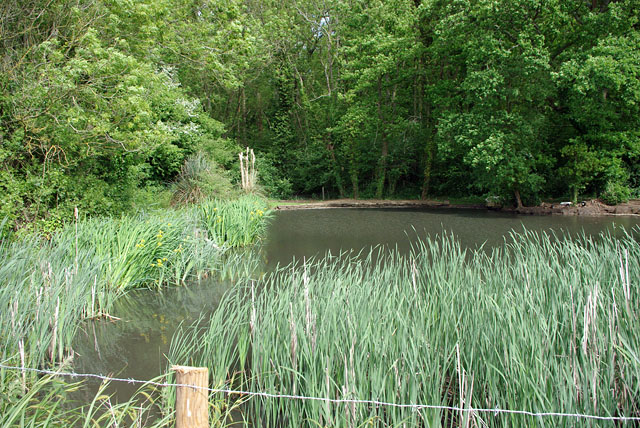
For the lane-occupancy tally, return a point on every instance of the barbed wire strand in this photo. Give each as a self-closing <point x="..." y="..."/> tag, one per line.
<point x="495" y="411"/>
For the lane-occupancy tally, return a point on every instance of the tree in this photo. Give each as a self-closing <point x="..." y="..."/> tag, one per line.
<point x="86" y="122"/>
<point x="601" y="89"/>
<point x="499" y="124"/>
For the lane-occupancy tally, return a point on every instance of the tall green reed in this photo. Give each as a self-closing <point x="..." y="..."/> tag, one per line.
<point x="235" y="223"/>
<point x="48" y="286"/>
<point x="542" y="324"/>
<point x="43" y="296"/>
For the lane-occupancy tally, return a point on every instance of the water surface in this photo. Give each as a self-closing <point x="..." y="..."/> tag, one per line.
<point x="135" y="347"/>
<point x="307" y="233"/>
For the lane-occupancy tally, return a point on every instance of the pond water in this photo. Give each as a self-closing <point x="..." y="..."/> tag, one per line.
<point x="306" y="233"/>
<point x="135" y="347"/>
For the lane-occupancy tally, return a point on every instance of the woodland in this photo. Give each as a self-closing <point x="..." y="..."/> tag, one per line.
<point x="116" y="105"/>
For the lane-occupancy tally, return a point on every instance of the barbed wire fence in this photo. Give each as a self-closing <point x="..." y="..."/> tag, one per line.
<point x="416" y="407"/>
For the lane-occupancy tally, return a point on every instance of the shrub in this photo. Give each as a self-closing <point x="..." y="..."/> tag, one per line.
<point x="200" y="178"/>
<point x="274" y="183"/>
<point x="615" y="193"/>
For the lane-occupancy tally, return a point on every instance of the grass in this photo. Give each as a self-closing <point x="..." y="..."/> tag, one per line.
<point x="48" y="286"/>
<point x="540" y="324"/>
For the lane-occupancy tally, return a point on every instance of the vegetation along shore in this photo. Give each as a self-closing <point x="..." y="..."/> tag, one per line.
<point x="542" y="323"/>
<point x="141" y="142"/>
<point x="49" y="285"/>
<point x="102" y="103"/>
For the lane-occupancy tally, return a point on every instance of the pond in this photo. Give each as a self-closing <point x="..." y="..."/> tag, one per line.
<point x="135" y="346"/>
<point x="306" y="233"/>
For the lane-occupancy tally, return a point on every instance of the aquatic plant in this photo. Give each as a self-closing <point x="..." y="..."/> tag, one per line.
<point x="47" y="286"/>
<point x="43" y="296"/>
<point x="167" y="247"/>
<point x="200" y="176"/>
<point x="543" y="323"/>
<point x="236" y="223"/>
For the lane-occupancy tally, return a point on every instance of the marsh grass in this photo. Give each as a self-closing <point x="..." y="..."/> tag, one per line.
<point x="47" y="286"/>
<point x="542" y="323"/>
<point x="47" y="404"/>
<point x="236" y="222"/>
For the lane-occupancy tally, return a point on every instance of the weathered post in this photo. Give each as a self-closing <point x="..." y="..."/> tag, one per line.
<point x="192" y="402"/>
<point x="248" y="170"/>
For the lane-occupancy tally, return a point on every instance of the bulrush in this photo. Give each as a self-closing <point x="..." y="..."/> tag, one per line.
<point x="526" y="326"/>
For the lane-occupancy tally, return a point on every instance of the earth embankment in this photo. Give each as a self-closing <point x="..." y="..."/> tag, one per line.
<point x="585" y="208"/>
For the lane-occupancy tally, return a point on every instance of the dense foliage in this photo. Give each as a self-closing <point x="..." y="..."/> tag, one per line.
<point x="103" y="101"/>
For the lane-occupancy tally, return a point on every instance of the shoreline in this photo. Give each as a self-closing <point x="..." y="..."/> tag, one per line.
<point x="590" y="208"/>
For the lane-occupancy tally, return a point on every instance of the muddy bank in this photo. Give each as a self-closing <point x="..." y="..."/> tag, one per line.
<point x="586" y="208"/>
<point x="370" y="203"/>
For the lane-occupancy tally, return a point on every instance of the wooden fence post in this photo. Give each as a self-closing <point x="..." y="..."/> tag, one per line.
<point x="192" y="404"/>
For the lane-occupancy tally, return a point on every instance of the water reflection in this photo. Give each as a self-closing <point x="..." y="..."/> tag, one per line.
<point x="135" y="346"/>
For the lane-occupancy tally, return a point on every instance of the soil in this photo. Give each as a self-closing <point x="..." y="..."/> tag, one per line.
<point x="592" y="208"/>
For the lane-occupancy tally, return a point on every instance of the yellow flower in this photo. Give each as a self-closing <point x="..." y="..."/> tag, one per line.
<point x="215" y="209"/>
<point x="142" y="241"/>
<point x="164" y="259"/>
<point x="169" y="224"/>
<point x="159" y="260"/>
<point x="159" y="244"/>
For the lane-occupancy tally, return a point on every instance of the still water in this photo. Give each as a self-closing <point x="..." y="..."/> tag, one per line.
<point x="135" y="346"/>
<point x="306" y="233"/>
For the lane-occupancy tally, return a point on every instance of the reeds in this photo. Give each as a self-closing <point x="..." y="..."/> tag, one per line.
<point x="541" y="324"/>
<point x="48" y="286"/>
<point x="237" y="223"/>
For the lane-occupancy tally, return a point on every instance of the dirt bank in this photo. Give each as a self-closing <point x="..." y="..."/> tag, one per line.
<point x="369" y="203"/>
<point x="586" y="208"/>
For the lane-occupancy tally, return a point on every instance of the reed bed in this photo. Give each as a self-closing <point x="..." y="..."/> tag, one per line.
<point x="169" y="247"/>
<point x="48" y="286"/>
<point x="543" y="323"/>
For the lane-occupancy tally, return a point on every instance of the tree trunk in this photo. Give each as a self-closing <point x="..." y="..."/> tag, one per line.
<point x="243" y="131"/>
<point x="334" y="165"/>
<point x="259" y="115"/>
<point x="429" y="154"/>
<point x="353" y="169"/>
<point x="427" y="170"/>
<point x="354" y="184"/>
<point x="384" y="152"/>
<point x="518" y="198"/>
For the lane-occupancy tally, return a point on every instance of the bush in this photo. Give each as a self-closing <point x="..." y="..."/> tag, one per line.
<point x="274" y="183"/>
<point x="615" y="193"/>
<point x="201" y="178"/>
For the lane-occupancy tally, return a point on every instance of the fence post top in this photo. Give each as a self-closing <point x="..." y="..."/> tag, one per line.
<point x="188" y="369"/>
